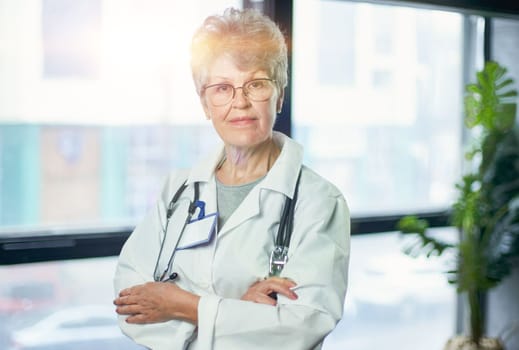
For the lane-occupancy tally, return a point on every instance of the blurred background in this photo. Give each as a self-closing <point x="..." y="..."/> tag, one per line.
<point x="97" y="105"/>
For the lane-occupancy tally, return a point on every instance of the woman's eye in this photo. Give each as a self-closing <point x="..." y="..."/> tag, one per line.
<point x="222" y="88"/>
<point x="257" y="84"/>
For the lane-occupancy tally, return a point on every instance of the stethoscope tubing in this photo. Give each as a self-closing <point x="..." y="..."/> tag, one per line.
<point x="169" y="213"/>
<point x="287" y="219"/>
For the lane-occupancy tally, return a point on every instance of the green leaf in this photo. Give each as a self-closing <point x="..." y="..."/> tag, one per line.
<point x="412" y="224"/>
<point x="425" y="244"/>
<point x="505" y="117"/>
<point x="504" y="83"/>
<point x="511" y="93"/>
<point x="473" y="88"/>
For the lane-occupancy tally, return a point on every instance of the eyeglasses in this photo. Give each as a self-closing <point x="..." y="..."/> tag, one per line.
<point x="257" y="90"/>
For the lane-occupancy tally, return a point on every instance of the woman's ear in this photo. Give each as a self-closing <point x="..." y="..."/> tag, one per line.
<point x="205" y="107"/>
<point x="279" y="103"/>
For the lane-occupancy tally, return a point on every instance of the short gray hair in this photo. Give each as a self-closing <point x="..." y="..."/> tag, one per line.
<point x="252" y="39"/>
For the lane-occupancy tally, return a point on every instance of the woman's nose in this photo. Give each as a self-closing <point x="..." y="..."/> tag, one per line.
<point x="240" y="98"/>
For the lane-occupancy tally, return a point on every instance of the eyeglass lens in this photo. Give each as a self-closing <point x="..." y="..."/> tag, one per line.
<point x="256" y="90"/>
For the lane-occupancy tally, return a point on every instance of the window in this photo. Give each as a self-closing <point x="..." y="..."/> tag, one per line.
<point x="377" y="102"/>
<point x="336" y="57"/>
<point x="97" y="104"/>
<point x="389" y="294"/>
<point x="394" y="301"/>
<point x="75" y="310"/>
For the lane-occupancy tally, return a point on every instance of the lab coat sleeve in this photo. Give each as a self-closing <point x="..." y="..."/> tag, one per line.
<point x="318" y="263"/>
<point x="135" y="266"/>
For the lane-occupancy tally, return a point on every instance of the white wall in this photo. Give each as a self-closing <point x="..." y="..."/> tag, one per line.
<point x="503" y="301"/>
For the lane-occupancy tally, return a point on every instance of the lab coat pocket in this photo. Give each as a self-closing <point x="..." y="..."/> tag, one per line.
<point x="198" y="232"/>
<point x="194" y="250"/>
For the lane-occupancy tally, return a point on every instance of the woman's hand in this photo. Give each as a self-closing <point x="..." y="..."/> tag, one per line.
<point x="155" y="302"/>
<point x="259" y="291"/>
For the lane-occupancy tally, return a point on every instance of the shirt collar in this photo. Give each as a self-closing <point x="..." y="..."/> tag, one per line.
<point x="281" y="177"/>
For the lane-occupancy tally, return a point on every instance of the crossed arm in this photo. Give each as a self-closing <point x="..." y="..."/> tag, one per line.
<point x="155" y="302"/>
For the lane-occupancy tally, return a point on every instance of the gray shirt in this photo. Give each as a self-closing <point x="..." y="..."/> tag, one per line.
<point x="229" y="198"/>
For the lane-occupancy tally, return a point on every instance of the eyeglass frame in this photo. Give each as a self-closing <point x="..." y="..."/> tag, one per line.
<point x="234" y="88"/>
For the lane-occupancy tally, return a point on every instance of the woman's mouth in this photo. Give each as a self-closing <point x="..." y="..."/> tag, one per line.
<point x="242" y="121"/>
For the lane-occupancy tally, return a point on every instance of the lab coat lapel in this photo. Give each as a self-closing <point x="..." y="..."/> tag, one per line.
<point x="203" y="172"/>
<point x="245" y="211"/>
<point x="280" y="179"/>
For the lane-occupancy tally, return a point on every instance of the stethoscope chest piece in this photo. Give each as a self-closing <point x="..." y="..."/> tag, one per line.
<point x="278" y="259"/>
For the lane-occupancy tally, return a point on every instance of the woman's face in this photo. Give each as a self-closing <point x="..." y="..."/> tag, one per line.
<point x="241" y="122"/>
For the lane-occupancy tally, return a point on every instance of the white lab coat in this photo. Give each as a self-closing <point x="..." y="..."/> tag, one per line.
<point x="222" y="271"/>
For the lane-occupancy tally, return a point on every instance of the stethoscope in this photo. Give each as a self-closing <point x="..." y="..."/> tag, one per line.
<point x="278" y="256"/>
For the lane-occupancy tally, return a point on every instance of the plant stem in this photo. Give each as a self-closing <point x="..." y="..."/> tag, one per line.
<point x="476" y="321"/>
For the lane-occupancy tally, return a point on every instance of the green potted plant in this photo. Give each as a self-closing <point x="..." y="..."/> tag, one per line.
<point x="486" y="212"/>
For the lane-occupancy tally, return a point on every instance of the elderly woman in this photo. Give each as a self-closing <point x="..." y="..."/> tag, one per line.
<point x="249" y="249"/>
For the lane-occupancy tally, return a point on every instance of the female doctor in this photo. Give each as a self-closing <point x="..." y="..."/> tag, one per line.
<point x="249" y="249"/>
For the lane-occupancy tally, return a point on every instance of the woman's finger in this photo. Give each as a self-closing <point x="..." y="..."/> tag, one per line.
<point x="138" y="319"/>
<point x="265" y="299"/>
<point x="125" y="292"/>
<point x="282" y="289"/>
<point x="125" y="300"/>
<point x="128" y="309"/>
<point x="279" y="285"/>
<point x="261" y="291"/>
